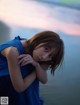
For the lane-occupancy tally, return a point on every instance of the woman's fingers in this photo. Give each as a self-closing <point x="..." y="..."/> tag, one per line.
<point x="24" y="59"/>
<point x="21" y="56"/>
<point x="20" y="61"/>
<point x="25" y="63"/>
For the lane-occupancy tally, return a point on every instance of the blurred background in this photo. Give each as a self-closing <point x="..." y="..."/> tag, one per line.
<point x="27" y="17"/>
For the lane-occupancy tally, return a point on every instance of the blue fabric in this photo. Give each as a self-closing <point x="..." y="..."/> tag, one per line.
<point x="31" y="95"/>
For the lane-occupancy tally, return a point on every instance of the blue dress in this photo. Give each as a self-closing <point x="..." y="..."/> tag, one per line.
<point x="31" y="95"/>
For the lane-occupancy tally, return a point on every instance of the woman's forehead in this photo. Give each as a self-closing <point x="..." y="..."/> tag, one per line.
<point x="39" y="45"/>
<point x="51" y="46"/>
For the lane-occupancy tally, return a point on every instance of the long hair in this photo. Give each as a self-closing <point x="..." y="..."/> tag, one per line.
<point x="50" y="39"/>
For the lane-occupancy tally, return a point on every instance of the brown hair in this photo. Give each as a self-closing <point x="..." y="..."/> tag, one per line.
<point x="49" y="38"/>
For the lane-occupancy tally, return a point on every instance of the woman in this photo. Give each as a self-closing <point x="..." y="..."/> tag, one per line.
<point x="23" y="63"/>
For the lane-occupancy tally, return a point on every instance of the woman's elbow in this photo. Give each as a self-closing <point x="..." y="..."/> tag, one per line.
<point x="19" y="89"/>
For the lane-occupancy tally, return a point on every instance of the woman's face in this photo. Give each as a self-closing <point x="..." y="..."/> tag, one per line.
<point x="43" y="53"/>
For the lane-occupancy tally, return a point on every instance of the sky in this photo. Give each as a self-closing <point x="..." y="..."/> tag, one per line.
<point x="32" y="14"/>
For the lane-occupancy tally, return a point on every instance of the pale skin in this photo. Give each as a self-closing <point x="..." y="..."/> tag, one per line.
<point x="15" y="60"/>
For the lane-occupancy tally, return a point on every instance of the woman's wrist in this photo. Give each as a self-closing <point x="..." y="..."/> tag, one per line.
<point x="36" y="65"/>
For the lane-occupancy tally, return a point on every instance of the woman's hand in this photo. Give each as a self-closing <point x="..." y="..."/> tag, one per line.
<point x="41" y="73"/>
<point x="25" y="59"/>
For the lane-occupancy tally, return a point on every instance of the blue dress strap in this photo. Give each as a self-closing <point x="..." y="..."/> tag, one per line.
<point x="15" y="43"/>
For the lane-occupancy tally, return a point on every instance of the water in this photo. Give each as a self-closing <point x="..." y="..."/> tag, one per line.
<point x="64" y="87"/>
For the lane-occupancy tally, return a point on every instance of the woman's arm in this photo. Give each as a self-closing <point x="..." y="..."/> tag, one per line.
<point x="18" y="82"/>
<point x="41" y="70"/>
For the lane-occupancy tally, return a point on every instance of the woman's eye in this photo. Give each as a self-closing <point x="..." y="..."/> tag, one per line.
<point x="46" y="49"/>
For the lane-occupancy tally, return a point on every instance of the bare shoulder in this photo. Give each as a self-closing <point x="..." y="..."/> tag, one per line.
<point x="10" y="51"/>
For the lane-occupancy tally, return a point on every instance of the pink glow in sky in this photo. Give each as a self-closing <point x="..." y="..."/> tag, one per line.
<point x="35" y="15"/>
